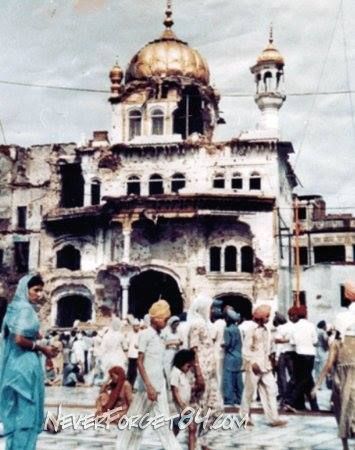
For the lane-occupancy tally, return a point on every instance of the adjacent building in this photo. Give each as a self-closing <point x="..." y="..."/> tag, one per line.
<point x="327" y="257"/>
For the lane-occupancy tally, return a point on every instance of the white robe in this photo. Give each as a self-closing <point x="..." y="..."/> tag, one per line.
<point x="111" y="351"/>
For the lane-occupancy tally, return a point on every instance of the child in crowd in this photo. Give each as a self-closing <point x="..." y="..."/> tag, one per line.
<point x="50" y="372"/>
<point x="181" y="390"/>
<point x="72" y="376"/>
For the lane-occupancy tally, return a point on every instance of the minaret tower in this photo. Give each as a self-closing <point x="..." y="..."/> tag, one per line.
<point x="269" y="79"/>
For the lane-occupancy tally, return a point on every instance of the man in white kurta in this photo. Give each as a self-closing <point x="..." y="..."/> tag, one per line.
<point x="151" y="395"/>
<point x="258" y="370"/>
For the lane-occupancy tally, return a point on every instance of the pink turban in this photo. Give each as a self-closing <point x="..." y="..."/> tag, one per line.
<point x="261" y="311"/>
<point x="350" y="290"/>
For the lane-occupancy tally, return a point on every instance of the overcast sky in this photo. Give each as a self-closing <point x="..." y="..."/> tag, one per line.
<point x="75" y="42"/>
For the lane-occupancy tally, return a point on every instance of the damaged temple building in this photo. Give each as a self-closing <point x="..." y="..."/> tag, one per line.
<point x="156" y="208"/>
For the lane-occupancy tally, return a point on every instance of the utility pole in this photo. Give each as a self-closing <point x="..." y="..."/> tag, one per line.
<point x="297" y="251"/>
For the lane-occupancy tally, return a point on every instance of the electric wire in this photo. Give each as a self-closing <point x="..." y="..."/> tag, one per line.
<point x="347" y="71"/>
<point x="314" y="101"/>
<point x="225" y="94"/>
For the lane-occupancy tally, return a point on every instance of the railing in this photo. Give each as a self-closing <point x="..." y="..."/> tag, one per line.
<point x="333" y="224"/>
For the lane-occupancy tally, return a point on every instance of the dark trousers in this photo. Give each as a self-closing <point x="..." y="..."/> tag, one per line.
<point x="232" y="387"/>
<point x="132" y="370"/>
<point x="304" y="383"/>
<point x="285" y="374"/>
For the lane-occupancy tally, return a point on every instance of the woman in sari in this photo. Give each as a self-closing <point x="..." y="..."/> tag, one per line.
<point x="207" y="396"/>
<point x="21" y="371"/>
<point x="116" y="393"/>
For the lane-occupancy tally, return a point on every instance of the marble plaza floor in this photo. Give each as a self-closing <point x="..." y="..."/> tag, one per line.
<point x="303" y="432"/>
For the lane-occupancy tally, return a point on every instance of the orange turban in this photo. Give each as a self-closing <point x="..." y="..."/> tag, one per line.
<point x="350" y="290"/>
<point x="160" y="310"/>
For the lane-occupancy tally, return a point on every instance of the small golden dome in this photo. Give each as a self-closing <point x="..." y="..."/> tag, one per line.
<point x="116" y="74"/>
<point x="168" y="56"/>
<point x="270" y="53"/>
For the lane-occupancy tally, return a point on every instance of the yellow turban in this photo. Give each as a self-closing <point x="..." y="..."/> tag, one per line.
<point x="160" y="310"/>
<point x="350" y="290"/>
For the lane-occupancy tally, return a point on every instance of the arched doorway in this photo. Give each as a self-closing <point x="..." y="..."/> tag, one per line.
<point x="72" y="308"/>
<point x="147" y="287"/>
<point x="241" y="304"/>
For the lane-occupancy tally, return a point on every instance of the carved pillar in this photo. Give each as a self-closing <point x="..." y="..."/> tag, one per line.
<point x="125" y="282"/>
<point x="126" y="220"/>
<point x="240" y="259"/>
<point x="87" y="192"/>
<point x="126" y="231"/>
<point x="349" y="253"/>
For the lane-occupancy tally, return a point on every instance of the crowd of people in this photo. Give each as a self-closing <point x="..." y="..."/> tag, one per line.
<point x="207" y="359"/>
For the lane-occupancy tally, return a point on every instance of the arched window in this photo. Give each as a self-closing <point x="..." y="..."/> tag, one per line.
<point x="157" y="122"/>
<point x="68" y="257"/>
<point x="156" y="186"/>
<point x="247" y="259"/>
<point x="255" y="181"/>
<point x="267" y="81"/>
<point x="215" y="259"/>
<point x="178" y="182"/>
<point x="237" y="181"/>
<point x="230" y="259"/>
<point x="72" y="191"/>
<point x="95" y="192"/>
<point x="219" y="181"/>
<point x="135" y="123"/>
<point x="133" y="185"/>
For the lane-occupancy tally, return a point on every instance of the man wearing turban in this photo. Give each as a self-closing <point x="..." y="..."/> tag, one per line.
<point x="341" y="363"/>
<point x="151" y="397"/>
<point x="232" y="364"/>
<point x="346" y="319"/>
<point x="258" y="369"/>
<point x="304" y="337"/>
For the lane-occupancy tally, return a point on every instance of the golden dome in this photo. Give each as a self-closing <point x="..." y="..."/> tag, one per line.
<point x="168" y="56"/>
<point x="270" y="53"/>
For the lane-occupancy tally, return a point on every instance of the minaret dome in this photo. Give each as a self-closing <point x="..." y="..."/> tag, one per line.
<point x="269" y="80"/>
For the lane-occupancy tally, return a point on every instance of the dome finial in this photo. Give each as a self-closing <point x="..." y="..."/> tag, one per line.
<point x="271" y="35"/>
<point x="168" y="22"/>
